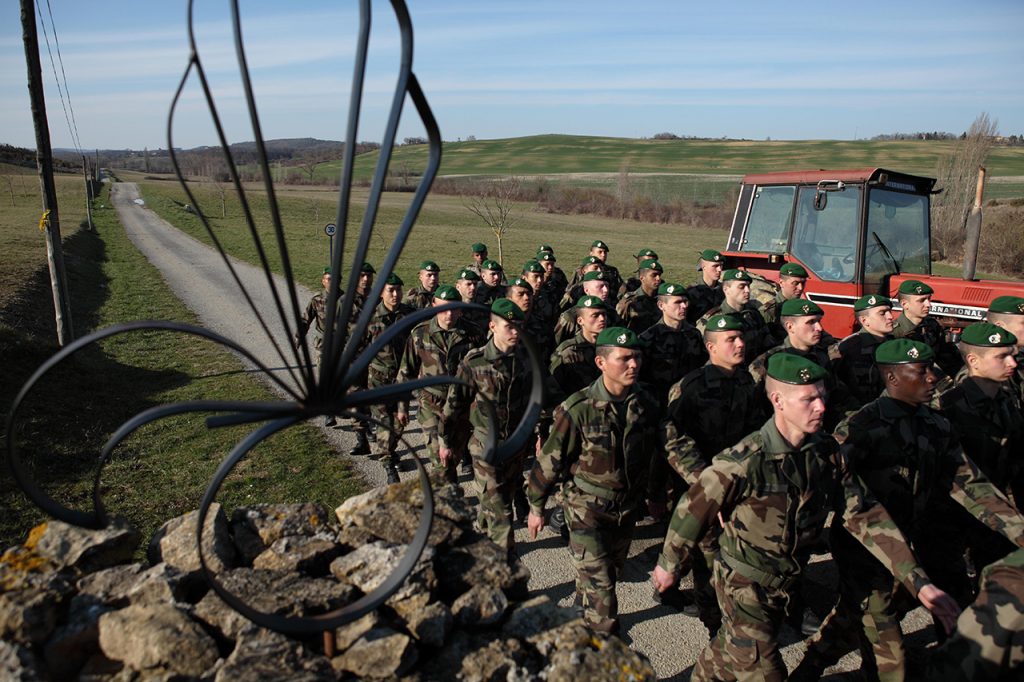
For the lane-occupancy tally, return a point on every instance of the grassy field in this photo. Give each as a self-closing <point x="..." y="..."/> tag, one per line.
<point x="163" y="469"/>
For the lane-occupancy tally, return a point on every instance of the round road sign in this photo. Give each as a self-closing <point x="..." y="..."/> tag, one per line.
<point x="330" y="229"/>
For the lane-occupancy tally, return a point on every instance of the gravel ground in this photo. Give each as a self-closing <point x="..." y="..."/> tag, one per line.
<point x="196" y="274"/>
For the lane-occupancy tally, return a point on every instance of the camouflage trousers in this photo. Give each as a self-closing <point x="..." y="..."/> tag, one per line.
<point x="703" y="590"/>
<point x="428" y="417"/>
<point x="386" y="434"/>
<point x="746" y="647"/>
<point x="599" y="540"/>
<point x="496" y="488"/>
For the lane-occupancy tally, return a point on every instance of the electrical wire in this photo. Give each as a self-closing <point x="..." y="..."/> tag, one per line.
<point x="70" y="119"/>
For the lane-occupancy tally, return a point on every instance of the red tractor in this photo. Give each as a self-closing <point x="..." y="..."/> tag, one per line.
<point x="856" y="232"/>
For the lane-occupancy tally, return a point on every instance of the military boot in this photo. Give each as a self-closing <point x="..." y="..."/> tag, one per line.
<point x="362" y="446"/>
<point x="392" y="473"/>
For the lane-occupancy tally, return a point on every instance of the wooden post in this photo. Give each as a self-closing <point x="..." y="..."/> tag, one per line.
<point x="88" y="192"/>
<point x="44" y="162"/>
<point x="972" y="229"/>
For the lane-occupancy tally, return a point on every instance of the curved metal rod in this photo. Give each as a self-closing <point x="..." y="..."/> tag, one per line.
<point x="391" y="392"/>
<point x="310" y="625"/>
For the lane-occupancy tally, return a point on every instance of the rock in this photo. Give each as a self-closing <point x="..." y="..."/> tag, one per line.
<point x="17" y="663"/>
<point x="73" y="643"/>
<point x="481" y="605"/>
<point x="134" y="584"/>
<point x="431" y="624"/>
<point x="396" y="524"/>
<point x="537" y="615"/>
<point x="175" y="542"/>
<point x="480" y="563"/>
<point x="571" y="635"/>
<point x="499" y="661"/>
<point x="354" y="537"/>
<point x="221" y="618"/>
<point x="256" y="528"/>
<point x="346" y="635"/>
<point x="380" y="653"/>
<point x="309" y="555"/>
<point x="29" y="614"/>
<point x="286" y="593"/>
<point x="606" y="658"/>
<point x="370" y="565"/>
<point x="69" y="546"/>
<point x="148" y="636"/>
<point x="265" y="655"/>
<point x="449" y="502"/>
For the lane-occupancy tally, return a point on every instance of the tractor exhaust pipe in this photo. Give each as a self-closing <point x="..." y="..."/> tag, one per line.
<point x="973" y="229"/>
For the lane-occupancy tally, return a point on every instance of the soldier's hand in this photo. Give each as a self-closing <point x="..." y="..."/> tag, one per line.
<point x="943" y="607"/>
<point x="402" y="417"/>
<point x="662" y="579"/>
<point x="534" y="523"/>
<point x="444" y="454"/>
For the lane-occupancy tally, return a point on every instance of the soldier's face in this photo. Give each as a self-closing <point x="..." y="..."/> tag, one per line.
<point x="596" y="287"/>
<point x="737" y="293"/>
<point x="726" y="348"/>
<point x="365" y="282"/>
<point x="1011" y="323"/>
<point x="917" y="307"/>
<point x="548" y="266"/>
<point x="535" y="279"/>
<point x="804" y="331"/>
<point x="428" y="280"/>
<point x="479" y="257"/>
<point x="877" y="320"/>
<point x="491" y="277"/>
<point x="650" y="280"/>
<point x="912" y="382"/>
<point x="995" y="364"/>
<point x="521" y="297"/>
<point x="620" y="366"/>
<point x="591" y="267"/>
<point x="673" y="308"/>
<point x="391" y="295"/>
<point x="505" y="332"/>
<point x="326" y="281"/>
<point x="712" y="271"/>
<point x="792" y="287"/>
<point x="591" y="320"/>
<point x="599" y="253"/>
<point x="446" y="318"/>
<point x="467" y="288"/>
<point x="802" y="407"/>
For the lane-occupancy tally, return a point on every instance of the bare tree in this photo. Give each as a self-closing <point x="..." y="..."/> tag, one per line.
<point x="222" y="192"/>
<point x="10" y="186"/>
<point x="958" y="173"/>
<point x="310" y="160"/>
<point x="496" y="207"/>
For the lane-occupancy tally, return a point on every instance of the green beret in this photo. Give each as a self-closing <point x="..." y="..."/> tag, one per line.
<point x="446" y="292"/>
<point x="915" y="288"/>
<point x="327" y="270"/>
<point x="491" y="265"/>
<point x="591" y="302"/>
<point x="790" y="368"/>
<point x="479" y="248"/>
<point x="394" y="280"/>
<point x="1007" y="305"/>
<point x="987" y="334"/>
<point x="734" y="275"/>
<point x="598" y="244"/>
<point x="903" y="351"/>
<point x="724" y="323"/>
<point x="429" y="266"/>
<point x="466" y="273"/>
<point x="800" y="307"/>
<point x="368" y="268"/>
<point x="546" y="255"/>
<point x="671" y="289"/>
<point x="520" y="282"/>
<point x="533" y="266"/>
<point x="646" y="253"/>
<point x="871" y="301"/>
<point x="651" y="264"/>
<point x="596" y="274"/>
<point x="793" y="270"/>
<point x="507" y="310"/>
<point x="591" y="260"/>
<point x="545" y="247"/>
<point x="711" y="254"/>
<point x="619" y="337"/>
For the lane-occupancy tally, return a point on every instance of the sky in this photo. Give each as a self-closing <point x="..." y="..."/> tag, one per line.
<point x="490" y="69"/>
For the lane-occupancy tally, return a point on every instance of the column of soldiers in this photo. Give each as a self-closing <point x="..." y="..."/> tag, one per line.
<point x="752" y="426"/>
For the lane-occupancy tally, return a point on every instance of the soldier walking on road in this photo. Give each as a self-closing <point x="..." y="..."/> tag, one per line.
<point x="672" y="346"/>
<point x="600" y="446"/>
<point x="854" y="356"/>
<point x="773" y="491"/>
<point x="490" y="286"/>
<point x="572" y="364"/>
<point x="707" y="292"/>
<point x="575" y="289"/>
<point x="595" y="285"/>
<point x="736" y="289"/>
<point x="422" y="296"/>
<point x="639" y="310"/>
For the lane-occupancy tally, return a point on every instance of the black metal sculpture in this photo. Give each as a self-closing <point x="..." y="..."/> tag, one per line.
<point x="311" y="395"/>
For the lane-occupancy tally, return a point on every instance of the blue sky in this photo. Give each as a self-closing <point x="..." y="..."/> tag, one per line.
<point x="785" y="70"/>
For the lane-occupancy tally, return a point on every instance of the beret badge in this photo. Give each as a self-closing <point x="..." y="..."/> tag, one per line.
<point x="621" y="338"/>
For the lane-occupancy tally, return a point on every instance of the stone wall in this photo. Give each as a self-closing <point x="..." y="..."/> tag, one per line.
<point x="73" y="607"/>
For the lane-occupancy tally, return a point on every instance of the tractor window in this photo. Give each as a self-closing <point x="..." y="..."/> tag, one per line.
<point x="900" y="222"/>
<point x="826" y="240"/>
<point x="770" y="217"/>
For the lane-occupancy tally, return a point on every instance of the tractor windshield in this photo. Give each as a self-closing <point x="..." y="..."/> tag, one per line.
<point x="897" y="236"/>
<point x="825" y="238"/>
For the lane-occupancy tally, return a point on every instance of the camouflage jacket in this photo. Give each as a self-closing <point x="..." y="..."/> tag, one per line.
<point x="708" y="411"/>
<point x="775" y="499"/>
<point x="383" y="368"/>
<point x="853" y="361"/>
<point x="771" y="312"/>
<point x="567" y="327"/>
<point x="417" y="298"/>
<point x="631" y="284"/>
<point x="669" y="355"/>
<point x="486" y="295"/>
<point x="911" y="461"/>
<point x="540" y="324"/>
<point x="433" y="351"/>
<point x="601" y="446"/>
<point x="555" y="286"/>
<point x="638" y="311"/>
<point x="991" y="432"/>
<point x="502" y="378"/>
<point x="702" y="299"/>
<point x="931" y="332"/>
<point x="614" y="279"/>
<point x="756" y="335"/>
<point x="572" y="369"/>
<point x="315" y="317"/>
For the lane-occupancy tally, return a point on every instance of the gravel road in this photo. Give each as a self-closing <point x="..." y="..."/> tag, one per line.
<point x="196" y="274"/>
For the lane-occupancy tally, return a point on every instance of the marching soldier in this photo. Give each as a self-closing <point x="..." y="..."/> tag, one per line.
<point x="672" y="346"/>
<point x="466" y="283"/>
<point x="633" y="283"/>
<point x="572" y="364"/>
<point x="490" y="286"/>
<point x="540" y="322"/>
<point x="479" y="252"/>
<point x="772" y="492"/>
<point x="916" y="322"/>
<point x="707" y="292"/>
<point x="792" y="282"/>
<point x="1008" y="312"/>
<point x="587" y="265"/>
<point x="599" y="251"/>
<point x="638" y="310"/>
<point x="363" y="286"/>
<point x="600" y="446"/>
<point x="595" y="284"/>
<point x="736" y="290"/>
<point x="555" y="281"/>
<point x="854" y="356"/>
<point x="422" y="296"/>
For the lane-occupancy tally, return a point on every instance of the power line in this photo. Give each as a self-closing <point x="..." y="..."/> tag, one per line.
<point x="72" y="123"/>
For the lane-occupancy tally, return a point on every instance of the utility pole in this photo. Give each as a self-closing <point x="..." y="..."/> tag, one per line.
<point x="88" y="191"/>
<point x="44" y="162"/>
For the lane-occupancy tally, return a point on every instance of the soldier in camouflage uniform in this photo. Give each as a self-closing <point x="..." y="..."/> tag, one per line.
<point x="916" y="322"/>
<point x="672" y="346"/>
<point x="436" y="347"/>
<point x="543" y="313"/>
<point x="911" y="462"/>
<point x="490" y="287"/>
<point x="792" y="281"/>
<point x="575" y="288"/>
<point x="500" y="373"/>
<point x="383" y="370"/>
<point x="572" y="366"/>
<point x="633" y="283"/>
<point x="466" y="283"/>
<point x="639" y="310"/>
<point x="710" y="409"/>
<point x="773" y="491"/>
<point x="479" y="253"/>
<point x="555" y="283"/>
<point x="736" y="289"/>
<point x="599" y="251"/>
<point x="600" y="446"/>
<point x="422" y="296"/>
<point x="707" y="292"/>
<point x="1008" y="312"/>
<point x="854" y="357"/>
<point x="557" y="275"/>
<point x="595" y="284"/>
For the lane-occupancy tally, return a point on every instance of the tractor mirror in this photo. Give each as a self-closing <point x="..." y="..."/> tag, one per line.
<point x="820" y="200"/>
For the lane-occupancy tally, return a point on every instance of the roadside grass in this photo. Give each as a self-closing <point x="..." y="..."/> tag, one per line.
<point x="163" y="469"/>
